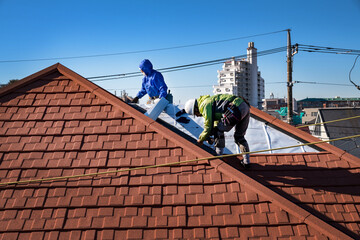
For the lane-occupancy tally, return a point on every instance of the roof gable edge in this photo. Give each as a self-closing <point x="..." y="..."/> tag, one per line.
<point x="29" y="79"/>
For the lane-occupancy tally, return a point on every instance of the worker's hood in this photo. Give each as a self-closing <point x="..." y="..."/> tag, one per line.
<point x="146" y="66"/>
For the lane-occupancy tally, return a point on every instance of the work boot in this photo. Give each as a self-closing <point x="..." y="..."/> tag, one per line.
<point x="244" y="147"/>
<point x="245" y="165"/>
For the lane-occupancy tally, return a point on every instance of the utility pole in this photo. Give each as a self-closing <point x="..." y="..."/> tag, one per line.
<point x="289" y="80"/>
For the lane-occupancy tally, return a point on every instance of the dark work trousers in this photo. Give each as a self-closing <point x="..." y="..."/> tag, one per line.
<point x="241" y="126"/>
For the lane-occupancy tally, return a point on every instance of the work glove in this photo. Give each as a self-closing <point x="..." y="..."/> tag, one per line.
<point x="179" y="113"/>
<point x="183" y="120"/>
<point x="210" y="140"/>
<point x="135" y="100"/>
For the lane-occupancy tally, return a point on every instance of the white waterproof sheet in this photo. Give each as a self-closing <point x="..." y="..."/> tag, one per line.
<point x="259" y="135"/>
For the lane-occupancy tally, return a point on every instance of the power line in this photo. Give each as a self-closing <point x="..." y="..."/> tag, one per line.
<point x="311" y="48"/>
<point x="322" y="49"/>
<point x="211" y="62"/>
<point x="170" y="87"/>
<point x="185" y="67"/>
<point x="140" y="51"/>
<point x="275" y="82"/>
<point x="173" y="87"/>
<point x="335" y="84"/>
<point x="316" y="48"/>
<point x="358" y="87"/>
<point x="319" y="51"/>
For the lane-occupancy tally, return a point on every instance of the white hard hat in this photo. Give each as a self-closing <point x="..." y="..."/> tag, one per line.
<point x="190" y="106"/>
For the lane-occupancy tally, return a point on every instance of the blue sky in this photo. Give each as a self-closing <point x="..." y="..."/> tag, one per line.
<point x="51" y="29"/>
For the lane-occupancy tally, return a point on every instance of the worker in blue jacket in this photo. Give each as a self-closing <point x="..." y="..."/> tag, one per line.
<point x="153" y="82"/>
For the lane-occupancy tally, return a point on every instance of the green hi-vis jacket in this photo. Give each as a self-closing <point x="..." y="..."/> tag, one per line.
<point x="218" y="103"/>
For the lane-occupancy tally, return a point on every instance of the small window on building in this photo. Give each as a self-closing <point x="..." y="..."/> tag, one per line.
<point x="227" y="89"/>
<point x="218" y="90"/>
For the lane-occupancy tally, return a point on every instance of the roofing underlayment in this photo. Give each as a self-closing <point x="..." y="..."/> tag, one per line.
<point x="260" y="135"/>
<point x="56" y="123"/>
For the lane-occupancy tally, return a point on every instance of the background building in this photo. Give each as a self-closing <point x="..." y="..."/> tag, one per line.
<point x="328" y="102"/>
<point x="242" y="78"/>
<point x="310" y="115"/>
<point x="310" y="106"/>
<point x="339" y="129"/>
<point x="273" y="103"/>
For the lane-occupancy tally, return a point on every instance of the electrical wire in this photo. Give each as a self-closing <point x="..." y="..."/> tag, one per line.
<point x="189" y="66"/>
<point x="308" y="48"/>
<point x="318" y="51"/>
<point x="358" y="87"/>
<point x="275" y="82"/>
<point x="336" y="84"/>
<point x="173" y="87"/>
<point x="141" y="51"/>
<point x="322" y="49"/>
<point x="193" y="86"/>
<point x="185" y="67"/>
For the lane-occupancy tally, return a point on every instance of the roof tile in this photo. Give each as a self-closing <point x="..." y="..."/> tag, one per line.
<point x="83" y="129"/>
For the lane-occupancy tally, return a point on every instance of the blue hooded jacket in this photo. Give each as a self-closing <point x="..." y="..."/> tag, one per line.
<point x="153" y="83"/>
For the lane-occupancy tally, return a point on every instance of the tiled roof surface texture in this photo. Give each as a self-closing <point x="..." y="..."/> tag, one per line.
<point x="325" y="185"/>
<point x="53" y="125"/>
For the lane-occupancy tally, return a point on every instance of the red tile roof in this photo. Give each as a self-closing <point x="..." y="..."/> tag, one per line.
<point x="57" y="123"/>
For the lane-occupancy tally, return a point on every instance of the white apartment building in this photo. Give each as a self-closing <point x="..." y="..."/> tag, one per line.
<point x="242" y="78"/>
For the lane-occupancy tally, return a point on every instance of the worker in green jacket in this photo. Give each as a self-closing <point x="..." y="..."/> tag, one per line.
<point x="221" y="113"/>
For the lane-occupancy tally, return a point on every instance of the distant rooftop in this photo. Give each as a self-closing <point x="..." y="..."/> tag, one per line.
<point x="328" y="99"/>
